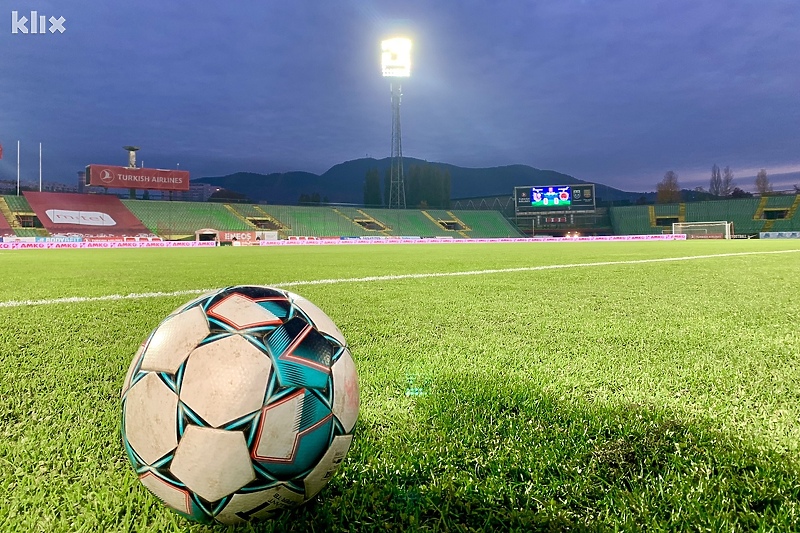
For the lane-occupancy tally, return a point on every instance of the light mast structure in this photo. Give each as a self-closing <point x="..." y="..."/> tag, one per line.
<point x="396" y="65"/>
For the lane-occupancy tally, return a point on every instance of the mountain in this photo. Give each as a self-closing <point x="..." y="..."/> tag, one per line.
<point x="344" y="183"/>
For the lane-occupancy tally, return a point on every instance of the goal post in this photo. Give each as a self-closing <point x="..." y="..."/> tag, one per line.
<point x="721" y="229"/>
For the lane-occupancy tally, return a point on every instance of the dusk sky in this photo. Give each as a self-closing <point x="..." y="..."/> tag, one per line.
<point x="611" y="91"/>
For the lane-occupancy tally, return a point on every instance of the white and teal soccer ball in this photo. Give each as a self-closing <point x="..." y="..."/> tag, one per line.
<point x="241" y="403"/>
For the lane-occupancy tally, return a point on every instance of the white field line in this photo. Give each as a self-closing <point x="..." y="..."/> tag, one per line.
<point x="390" y="277"/>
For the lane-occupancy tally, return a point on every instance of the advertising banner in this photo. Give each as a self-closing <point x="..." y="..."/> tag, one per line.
<point x="313" y="241"/>
<point x="105" y="244"/>
<point x="779" y="235"/>
<point x="137" y="178"/>
<point x="238" y="236"/>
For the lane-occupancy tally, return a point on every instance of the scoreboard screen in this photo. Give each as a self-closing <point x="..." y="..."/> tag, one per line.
<point x="554" y="198"/>
<point x="551" y="196"/>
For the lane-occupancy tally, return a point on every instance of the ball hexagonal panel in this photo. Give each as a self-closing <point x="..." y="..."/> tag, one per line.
<point x="303" y="355"/>
<point x="171" y="495"/>
<point x="174" y="340"/>
<point x="327" y="466"/>
<point x="294" y="432"/>
<point x="321" y="321"/>
<point x="225" y="379"/>
<point x="151" y="412"/>
<point x="242" y="312"/>
<point x="279" y="426"/>
<point x="212" y="463"/>
<point x="192" y="302"/>
<point x="345" y="390"/>
<point x="131" y="370"/>
<point x="261" y="504"/>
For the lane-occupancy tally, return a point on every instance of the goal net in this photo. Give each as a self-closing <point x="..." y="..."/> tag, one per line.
<point x="704" y="230"/>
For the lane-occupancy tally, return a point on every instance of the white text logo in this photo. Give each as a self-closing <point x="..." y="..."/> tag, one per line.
<point x="38" y="23"/>
<point x="81" y="218"/>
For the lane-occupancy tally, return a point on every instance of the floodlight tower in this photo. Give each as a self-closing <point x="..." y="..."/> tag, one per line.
<point x="396" y="63"/>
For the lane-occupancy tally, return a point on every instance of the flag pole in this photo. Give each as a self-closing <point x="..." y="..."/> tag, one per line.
<point x="40" y="167"/>
<point x="17" y="168"/>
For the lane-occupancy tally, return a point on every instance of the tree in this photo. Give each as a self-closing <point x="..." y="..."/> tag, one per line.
<point x="312" y="199"/>
<point x="715" y="186"/>
<point x="427" y="186"/>
<point x="387" y="177"/>
<point x="763" y="185"/>
<point x="413" y="183"/>
<point x="739" y="193"/>
<point x="372" y="187"/>
<point x="227" y="195"/>
<point x="668" y="190"/>
<point x="727" y="182"/>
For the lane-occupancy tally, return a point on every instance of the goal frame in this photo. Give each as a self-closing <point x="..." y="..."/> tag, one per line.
<point x="716" y="229"/>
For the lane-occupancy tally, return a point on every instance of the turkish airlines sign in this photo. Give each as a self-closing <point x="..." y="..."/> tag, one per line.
<point x="137" y="178"/>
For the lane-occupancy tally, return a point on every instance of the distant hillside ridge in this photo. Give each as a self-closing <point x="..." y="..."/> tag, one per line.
<point x="344" y="182"/>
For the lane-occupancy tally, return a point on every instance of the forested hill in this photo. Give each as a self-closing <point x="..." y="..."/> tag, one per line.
<point x="344" y="183"/>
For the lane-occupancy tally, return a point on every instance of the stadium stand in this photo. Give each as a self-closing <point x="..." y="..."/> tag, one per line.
<point x="633" y="220"/>
<point x="29" y="232"/>
<point x="487" y="224"/>
<point x="785" y="213"/>
<point x="667" y="210"/>
<point x="18" y="204"/>
<point x="749" y="215"/>
<point x="312" y="221"/>
<point x="365" y="222"/>
<point x="84" y="214"/>
<point x="180" y="220"/>
<point x="20" y="217"/>
<point x="742" y="212"/>
<point x="5" y="225"/>
<point x="259" y="218"/>
<point x="408" y="222"/>
<point x="782" y="201"/>
<point x="448" y="220"/>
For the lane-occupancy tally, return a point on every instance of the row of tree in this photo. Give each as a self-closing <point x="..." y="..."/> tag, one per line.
<point x="425" y="186"/>
<point x="668" y="190"/>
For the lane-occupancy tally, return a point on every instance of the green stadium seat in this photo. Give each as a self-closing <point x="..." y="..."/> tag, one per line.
<point x="184" y="218"/>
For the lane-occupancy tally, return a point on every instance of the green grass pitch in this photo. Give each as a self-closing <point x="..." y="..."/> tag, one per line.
<point x="627" y="395"/>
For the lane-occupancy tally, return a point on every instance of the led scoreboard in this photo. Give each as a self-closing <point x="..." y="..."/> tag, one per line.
<point x="554" y="198"/>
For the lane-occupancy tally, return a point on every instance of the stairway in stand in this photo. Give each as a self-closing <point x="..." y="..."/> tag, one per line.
<point x="12" y="220"/>
<point x="759" y="214"/>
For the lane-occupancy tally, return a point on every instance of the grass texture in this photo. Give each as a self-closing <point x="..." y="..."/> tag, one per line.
<point x="659" y="396"/>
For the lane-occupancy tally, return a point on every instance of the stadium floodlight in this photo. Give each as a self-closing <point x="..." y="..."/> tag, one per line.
<point x="396" y="63"/>
<point x="396" y="57"/>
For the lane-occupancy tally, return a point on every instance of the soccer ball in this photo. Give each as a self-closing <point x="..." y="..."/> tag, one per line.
<point x="241" y="403"/>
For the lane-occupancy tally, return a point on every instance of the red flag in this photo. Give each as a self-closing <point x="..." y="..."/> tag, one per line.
<point x="1" y="151"/>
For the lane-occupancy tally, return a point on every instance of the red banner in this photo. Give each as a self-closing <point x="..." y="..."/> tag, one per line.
<point x="137" y="178"/>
